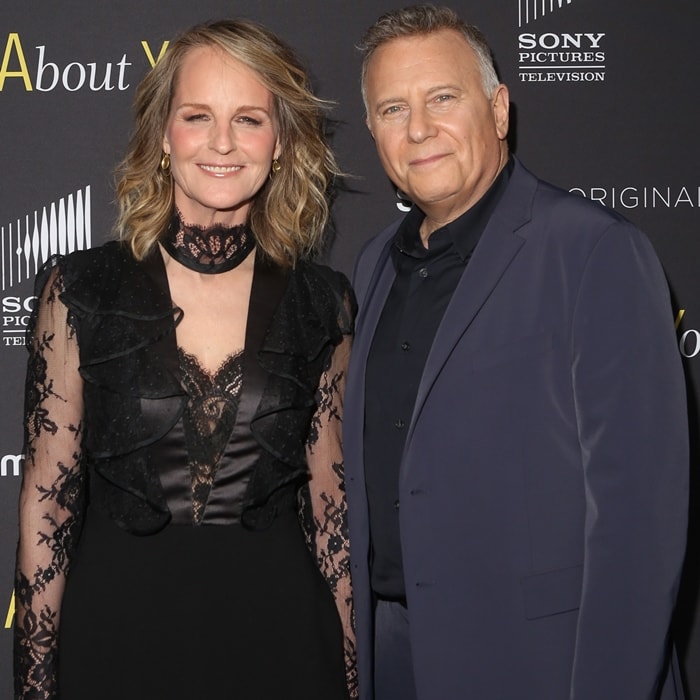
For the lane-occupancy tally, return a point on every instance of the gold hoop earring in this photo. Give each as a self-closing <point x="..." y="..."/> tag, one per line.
<point x="276" y="167"/>
<point x="165" y="164"/>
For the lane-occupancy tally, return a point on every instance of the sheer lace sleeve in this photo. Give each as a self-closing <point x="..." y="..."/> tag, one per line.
<point x="327" y="496"/>
<point x="50" y="497"/>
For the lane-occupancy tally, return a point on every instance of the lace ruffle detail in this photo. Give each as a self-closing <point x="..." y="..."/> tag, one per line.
<point x="311" y="321"/>
<point x="129" y="361"/>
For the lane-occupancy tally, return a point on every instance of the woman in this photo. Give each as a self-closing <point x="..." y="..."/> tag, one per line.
<point x="183" y="406"/>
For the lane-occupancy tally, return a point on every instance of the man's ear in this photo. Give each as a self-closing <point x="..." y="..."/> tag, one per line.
<point x="501" y="106"/>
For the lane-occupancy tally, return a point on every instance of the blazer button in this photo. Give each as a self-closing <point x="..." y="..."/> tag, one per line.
<point x="399" y="424"/>
<point x="396" y="504"/>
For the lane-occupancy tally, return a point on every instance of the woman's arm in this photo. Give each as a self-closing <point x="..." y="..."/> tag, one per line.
<point x="327" y="496"/>
<point x="51" y="493"/>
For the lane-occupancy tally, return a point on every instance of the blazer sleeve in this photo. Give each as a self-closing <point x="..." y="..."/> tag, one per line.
<point x="629" y="394"/>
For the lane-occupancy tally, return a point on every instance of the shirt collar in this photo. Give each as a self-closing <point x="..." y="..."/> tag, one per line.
<point x="463" y="233"/>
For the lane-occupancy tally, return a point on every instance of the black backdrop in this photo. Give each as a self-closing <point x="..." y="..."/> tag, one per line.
<point x="604" y="97"/>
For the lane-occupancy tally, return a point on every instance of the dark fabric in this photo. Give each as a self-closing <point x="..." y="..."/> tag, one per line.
<point x="545" y="465"/>
<point x="125" y="323"/>
<point x="169" y="617"/>
<point x="393" y="665"/>
<point x="101" y="344"/>
<point x="423" y="286"/>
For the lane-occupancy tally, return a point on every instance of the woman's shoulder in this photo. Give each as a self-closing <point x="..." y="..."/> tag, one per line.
<point x="80" y="262"/>
<point x="106" y="278"/>
<point x="329" y="290"/>
<point x="320" y="276"/>
<point x="109" y="254"/>
<point x="75" y="265"/>
<point x="322" y="272"/>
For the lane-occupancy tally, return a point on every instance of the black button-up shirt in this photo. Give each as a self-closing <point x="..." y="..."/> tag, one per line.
<point x="425" y="281"/>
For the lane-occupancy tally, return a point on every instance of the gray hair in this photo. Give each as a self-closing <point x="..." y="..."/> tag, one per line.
<point x="426" y="19"/>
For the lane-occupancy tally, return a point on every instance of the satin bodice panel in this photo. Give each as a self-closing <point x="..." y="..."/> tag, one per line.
<point x="206" y="460"/>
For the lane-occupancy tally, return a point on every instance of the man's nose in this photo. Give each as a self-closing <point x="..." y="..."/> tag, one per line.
<point x="420" y="125"/>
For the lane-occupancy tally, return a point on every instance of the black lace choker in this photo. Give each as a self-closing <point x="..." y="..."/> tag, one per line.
<point x="210" y="250"/>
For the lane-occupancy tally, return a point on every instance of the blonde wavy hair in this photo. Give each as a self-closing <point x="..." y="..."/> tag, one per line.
<point x="289" y="214"/>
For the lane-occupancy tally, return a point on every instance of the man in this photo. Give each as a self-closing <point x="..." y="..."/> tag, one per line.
<point x="515" y="426"/>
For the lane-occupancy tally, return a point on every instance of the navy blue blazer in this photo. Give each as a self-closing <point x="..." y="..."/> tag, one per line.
<point x="544" y="481"/>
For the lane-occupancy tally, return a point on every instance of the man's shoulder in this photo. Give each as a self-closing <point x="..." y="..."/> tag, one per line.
<point x="373" y="247"/>
<point x="371" y="252"/>
<point x="575" y="229"/>
<point x="568" y="221"/>
<point x="551" y="199"/>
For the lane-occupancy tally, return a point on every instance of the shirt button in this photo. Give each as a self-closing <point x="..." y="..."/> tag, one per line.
<point x="396" y="504"/>
<point x="423" y="272"/>
<point x="405" y="346"/>
<point x="399" y="423"/>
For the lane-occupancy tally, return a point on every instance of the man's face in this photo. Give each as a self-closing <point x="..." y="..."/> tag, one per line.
<point x="439" y="137"/>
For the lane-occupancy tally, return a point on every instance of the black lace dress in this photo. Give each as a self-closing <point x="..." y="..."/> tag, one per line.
<point x="187" y="530"/>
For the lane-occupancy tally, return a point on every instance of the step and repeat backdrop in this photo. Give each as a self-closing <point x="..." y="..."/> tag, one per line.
<point x="604" y="102"/>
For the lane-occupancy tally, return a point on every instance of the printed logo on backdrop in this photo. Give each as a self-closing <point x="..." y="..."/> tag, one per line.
<point x="552" y="51"/>
<point x="645" y="197"/>
<point x="10" y="614"/>
<point x="404" y="204"/>
<point x="26" y="243"/>
<point x="35" y="69"/>
<point x="11" y="465"/>
<point x="688" y="340"/>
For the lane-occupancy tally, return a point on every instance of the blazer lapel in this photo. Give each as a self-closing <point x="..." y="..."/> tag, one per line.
<point x="498" y="246"/>
<point x="374" y="298"/>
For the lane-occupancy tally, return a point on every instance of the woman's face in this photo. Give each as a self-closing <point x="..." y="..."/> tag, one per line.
<point x="221" y="136"/>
